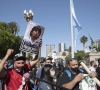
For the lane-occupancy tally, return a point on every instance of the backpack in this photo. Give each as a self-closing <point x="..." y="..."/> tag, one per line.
<point x="69" y="73"/>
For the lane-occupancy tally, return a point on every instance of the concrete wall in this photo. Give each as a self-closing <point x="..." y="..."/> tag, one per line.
<point x="93" y="56"/>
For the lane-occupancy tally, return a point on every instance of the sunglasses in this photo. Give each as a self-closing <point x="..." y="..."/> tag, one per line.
<point x="72" y="59"/>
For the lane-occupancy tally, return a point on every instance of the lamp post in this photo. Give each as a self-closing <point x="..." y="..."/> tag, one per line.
<point x="28" y="16"/>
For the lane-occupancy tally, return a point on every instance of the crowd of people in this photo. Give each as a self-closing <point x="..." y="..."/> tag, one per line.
<point x="22" y="74"/>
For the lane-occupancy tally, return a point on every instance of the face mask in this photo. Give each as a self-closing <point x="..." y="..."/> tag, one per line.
<point x="74" y="69"/>
<point x="55" y="80"/>
<point x="95" y="66"/>
<point x="52" y="73"/>
<point x="18" y="70"/>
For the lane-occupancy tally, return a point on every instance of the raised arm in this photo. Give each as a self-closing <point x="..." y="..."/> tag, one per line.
<point x="2" y="70"/>
<point x="38" y="57"/>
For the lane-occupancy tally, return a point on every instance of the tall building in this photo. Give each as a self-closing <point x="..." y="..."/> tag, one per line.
<point x="61" y="47"/>
<point x="49" y="50"/>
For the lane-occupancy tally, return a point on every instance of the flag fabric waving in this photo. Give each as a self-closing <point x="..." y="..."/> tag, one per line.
<point x="76" y="26"/>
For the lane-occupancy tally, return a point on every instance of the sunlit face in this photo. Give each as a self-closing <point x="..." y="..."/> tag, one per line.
<point x="18" y="65"/>
<point x="73" y="64"/>
<point x="36" y="33"/>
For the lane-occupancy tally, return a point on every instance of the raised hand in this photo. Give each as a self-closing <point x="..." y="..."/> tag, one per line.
<point x="40" y="42"/>
<point x="9" y="52"/>
<point x="26" y="76"/>
<point x="93" y="74"/>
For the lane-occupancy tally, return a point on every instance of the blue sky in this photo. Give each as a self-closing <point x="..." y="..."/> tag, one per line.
<point x="54" y="15"/>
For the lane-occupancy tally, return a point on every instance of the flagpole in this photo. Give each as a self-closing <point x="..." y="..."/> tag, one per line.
<point x="72" y="35"/>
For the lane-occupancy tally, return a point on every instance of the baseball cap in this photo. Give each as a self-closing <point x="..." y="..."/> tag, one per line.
<point x="19" y="57"/>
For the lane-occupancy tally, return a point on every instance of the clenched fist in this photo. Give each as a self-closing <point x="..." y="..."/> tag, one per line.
<point x="26" y="76"/>
<point x="9" y="52"/>
<point x="40" y="42"/>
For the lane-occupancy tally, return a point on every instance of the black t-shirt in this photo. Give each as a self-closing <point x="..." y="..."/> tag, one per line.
<point x="98" y="72"/>
<point x="66" y="79"/>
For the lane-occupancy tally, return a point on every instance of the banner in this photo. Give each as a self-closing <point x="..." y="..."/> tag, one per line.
<point x="33" y="33"/>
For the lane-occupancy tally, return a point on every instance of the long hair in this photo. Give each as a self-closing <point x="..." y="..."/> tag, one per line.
<point x="46" y="72"/>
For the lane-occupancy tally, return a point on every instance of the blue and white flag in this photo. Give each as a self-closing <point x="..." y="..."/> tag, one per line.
<point x="76" y="26"/>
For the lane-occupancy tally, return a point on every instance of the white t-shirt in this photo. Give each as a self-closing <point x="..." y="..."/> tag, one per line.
<point x="28" y="41"/>
<point x="87" y="83"/>
<point x="92" y="69"/>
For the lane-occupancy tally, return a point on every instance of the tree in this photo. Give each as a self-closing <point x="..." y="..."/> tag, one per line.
<point x="14" y="28"/>
<point x="16" y="44"/>
<point x="4" y="26"/>
<point x="8" y="40"/>
<point x="41" y="58"/>
<point x="83" y="40"/>
<point x="80" y="55"/>
<point x="68" y="57"/>
<point x="64" y="54"/>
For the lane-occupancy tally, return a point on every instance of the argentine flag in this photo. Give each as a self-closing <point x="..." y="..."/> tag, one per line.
<point x="76" y="26"/>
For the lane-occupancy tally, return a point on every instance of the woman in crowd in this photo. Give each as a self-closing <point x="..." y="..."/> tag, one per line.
<point x="47" y="75"/>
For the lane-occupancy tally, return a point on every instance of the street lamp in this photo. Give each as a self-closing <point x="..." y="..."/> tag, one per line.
<point x="29" y="16"/>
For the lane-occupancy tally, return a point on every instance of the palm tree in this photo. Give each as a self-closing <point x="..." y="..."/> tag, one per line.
<point x="83" y="40"/>
<point x="14" y="28"/>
